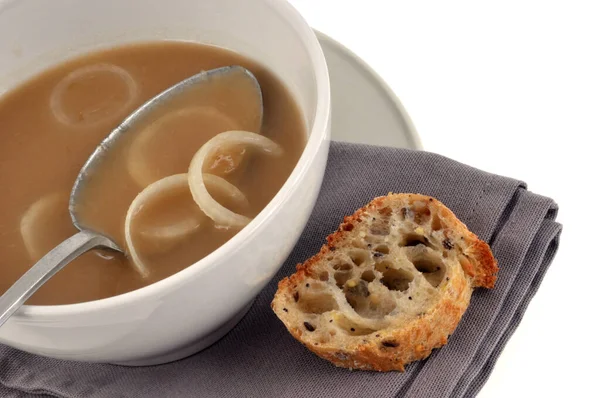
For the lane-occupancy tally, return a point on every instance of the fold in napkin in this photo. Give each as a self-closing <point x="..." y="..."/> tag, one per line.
<point x="260" y="359"/>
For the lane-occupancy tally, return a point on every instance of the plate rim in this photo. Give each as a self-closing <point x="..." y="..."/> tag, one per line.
<point x="413" y="135"/>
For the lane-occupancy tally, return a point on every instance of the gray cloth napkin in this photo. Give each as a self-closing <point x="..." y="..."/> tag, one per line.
<point x="260" y="359"/>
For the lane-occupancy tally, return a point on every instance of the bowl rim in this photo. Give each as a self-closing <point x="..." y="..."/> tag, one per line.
<point x="318" y="135"/>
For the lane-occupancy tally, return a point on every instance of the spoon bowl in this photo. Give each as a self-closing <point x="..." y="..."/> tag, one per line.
<point x="143" y="116"/>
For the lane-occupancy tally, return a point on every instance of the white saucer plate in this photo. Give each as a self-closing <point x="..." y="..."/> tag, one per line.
<point x="364" y="109"/>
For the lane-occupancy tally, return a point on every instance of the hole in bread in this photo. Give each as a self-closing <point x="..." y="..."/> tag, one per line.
<point x="366" y="304"/>
<point x="385" y="211"/>
<point x="356" y="289"/>
<point x="359" y="244"/>
<point x="342" y="267"/>
<point x="382" y="266"/>
<point x="342" y="277"/>
<point x="368" y="276"/>
<point x="373" y="240"/>
<point x="358" y="257"/>
<point x="389" y="344"/>
<point x="318" y="303"/>
<point x="380" y="227"/>
<point x="324" y="276"/>
<point x="427" y="265"/>
<point x="433" y="269"/>
<point x="382" y="249"/>
<point x="396" y="279"/>
<point x="436" y="223"/>
<point x="421" y="212"/>
<point x="351" y="327"/>
<point x="357" y="303"/>
<point x="409" y="240"/>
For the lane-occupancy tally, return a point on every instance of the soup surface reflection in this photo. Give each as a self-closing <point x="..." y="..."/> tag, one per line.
<point x="52" y="123"/>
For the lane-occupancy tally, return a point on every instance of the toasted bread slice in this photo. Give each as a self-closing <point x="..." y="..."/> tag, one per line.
<point x="388" y="287"/>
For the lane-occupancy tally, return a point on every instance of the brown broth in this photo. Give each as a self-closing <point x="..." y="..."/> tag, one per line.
<point x="41" y="156"/>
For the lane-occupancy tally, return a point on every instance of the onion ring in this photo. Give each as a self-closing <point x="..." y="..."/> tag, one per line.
<point x="177" y="230"/>
<point x="63" y="85"/>
<point x="30" y="222"/>
<point x="222" y="216"/>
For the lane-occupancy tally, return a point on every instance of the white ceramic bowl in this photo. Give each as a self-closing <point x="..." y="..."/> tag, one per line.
<point x="195" y="307"/>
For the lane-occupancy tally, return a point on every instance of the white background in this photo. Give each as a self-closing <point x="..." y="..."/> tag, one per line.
<point x="511" y="87"/>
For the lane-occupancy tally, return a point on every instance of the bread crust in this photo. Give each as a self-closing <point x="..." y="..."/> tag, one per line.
<point x="392" y="347"/>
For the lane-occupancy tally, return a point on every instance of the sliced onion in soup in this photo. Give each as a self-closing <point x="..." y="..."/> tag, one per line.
<point x="152" y="191"/>
<point x="44" y="219"/>
<point x="186" y="226"/>
<point x="57" y="95"/>
<point x="172" y="231"/>
<point x="225" y="188"/>
<point x="180" y="229"/>
<point x="222" y="216"/>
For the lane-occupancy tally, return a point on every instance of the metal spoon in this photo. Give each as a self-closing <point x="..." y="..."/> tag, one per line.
<point x="87" y="238"/>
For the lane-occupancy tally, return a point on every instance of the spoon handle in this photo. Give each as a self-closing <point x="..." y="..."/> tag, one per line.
<point x="46" y="267"/>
